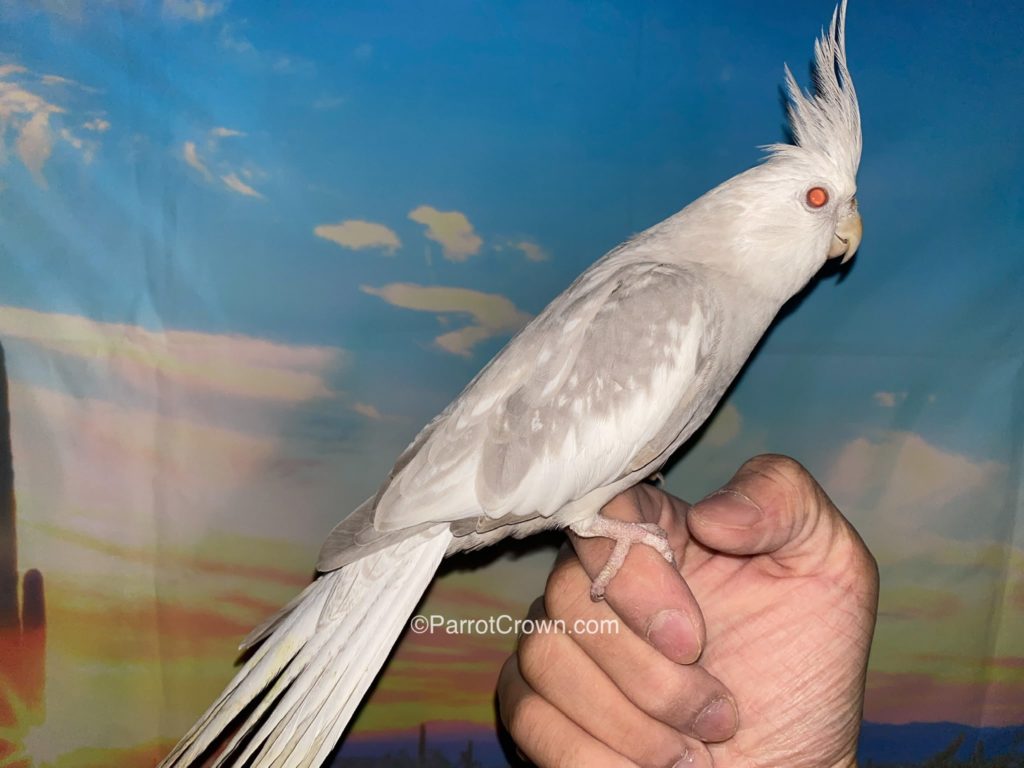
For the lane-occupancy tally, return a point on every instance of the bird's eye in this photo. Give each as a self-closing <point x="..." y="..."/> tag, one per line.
<point x="817" y="197"/>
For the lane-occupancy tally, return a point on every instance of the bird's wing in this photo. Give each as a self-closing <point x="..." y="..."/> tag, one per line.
<point x="569" y="406"/>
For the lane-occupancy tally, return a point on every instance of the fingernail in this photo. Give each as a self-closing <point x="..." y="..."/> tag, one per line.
<point x="729" y="508"/>
<point x="717" y="721"/>
<point x="690" y="760"/>
<point x="672" y="633"/>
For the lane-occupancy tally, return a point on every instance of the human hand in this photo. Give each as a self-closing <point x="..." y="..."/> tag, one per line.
<point x="775" y="592"/>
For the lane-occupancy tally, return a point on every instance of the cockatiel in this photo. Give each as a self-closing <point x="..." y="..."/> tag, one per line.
<point x="592" y="397"/>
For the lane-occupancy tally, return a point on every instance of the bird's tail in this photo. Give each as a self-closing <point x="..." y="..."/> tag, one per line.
<point x="319" y="656"/>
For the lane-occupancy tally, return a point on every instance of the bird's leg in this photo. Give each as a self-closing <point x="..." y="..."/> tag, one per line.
<point x="624" y="535"/>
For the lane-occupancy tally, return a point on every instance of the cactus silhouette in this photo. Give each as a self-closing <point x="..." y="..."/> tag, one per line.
<point x="22" y="616"/>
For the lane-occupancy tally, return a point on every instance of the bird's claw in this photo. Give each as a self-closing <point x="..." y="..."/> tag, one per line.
<point x="625" y="535"/>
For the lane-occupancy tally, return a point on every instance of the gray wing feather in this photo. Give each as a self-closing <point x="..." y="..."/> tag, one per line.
<point x="605" y="383"/>
<point x="355" y="537"/>
<point x="566" y="407"/>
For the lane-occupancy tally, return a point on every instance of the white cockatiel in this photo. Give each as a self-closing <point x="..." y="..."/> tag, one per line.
<point x="589" y="399"/>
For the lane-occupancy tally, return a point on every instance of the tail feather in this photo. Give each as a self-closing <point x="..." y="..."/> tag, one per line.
<point x="264" y="629"/>
<point x="294" y="668"/>
<point x="262" y="667"/>
<point x="318" y="661"/>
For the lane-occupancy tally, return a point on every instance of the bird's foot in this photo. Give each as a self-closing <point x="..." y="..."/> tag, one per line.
<point x="625" y="535"/>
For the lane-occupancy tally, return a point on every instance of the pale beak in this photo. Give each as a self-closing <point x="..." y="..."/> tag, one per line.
<point x="847" y="236"/>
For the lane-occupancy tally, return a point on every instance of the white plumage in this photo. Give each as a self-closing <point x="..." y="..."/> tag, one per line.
<point x="590" y="398"/>
<point x="322" y="656"/>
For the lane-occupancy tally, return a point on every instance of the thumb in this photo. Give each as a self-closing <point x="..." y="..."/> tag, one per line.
<point x="772" y="506"/>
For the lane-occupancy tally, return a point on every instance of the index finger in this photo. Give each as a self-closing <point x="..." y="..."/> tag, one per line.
<point x="648" y="594"/>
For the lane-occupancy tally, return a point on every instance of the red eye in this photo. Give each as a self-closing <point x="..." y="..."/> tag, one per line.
<point x="817" y="197"/>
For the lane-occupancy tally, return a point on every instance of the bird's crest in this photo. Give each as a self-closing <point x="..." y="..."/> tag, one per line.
<point x="827" y="122"/>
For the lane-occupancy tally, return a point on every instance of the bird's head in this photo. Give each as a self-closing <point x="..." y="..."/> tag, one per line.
<point x="825" y="155"/>
<point x="776" y="224"/>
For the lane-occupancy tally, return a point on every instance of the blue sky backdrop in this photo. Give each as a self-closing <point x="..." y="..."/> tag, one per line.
<point x="248" y="249"/>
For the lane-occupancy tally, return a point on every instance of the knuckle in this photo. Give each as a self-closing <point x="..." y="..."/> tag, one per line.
<point x="536" y="611"/>
<point x="662" y="696"/>
<point x="537" y="659"/>
<point x="558" y="579"/>
<point x="871" y="566"/>
<point x="523" y="717"/>
<point x="508" y="699"/>
<point x="673" y="701"/>
<point x="525" y="641"/>
<point x="792" y="490"/>
<point x="785" y="469"/>
<point x="563" y="590"/>
<point x="526" y="647"/>
<point x="865" y="566"/>
<point x="529" y="725"/>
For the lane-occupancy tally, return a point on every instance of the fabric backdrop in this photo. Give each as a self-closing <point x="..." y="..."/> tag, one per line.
<point x="248" y="249"/>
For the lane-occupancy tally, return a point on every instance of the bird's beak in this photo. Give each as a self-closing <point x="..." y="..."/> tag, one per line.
<point x="847" y="236"/>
